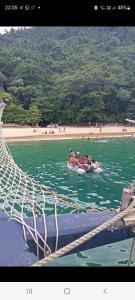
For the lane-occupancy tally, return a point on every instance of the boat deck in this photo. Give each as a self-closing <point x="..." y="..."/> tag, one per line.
<point x="14" y="251"/>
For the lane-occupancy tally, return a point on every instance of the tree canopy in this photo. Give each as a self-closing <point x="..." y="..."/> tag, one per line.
<point x="68" y="74"/>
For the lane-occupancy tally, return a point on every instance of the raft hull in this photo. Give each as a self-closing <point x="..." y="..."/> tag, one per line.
<point x="82" y="171"/>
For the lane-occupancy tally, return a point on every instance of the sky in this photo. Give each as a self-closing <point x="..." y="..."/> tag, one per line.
<point x="2" y="29"/>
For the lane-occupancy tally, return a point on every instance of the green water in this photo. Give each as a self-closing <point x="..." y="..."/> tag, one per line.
<point x="46" y="162"/>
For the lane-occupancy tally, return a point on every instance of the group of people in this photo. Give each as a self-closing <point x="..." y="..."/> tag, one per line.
<point x="84" y="162"/>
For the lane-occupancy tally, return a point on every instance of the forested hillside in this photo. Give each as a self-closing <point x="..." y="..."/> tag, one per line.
<point x="68" y="74"/>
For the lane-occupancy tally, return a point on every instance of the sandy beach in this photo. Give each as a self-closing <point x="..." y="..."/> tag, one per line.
<point x="69" y="132"/>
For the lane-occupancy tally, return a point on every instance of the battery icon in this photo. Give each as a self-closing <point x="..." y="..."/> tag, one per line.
<point x="95" y="7"/>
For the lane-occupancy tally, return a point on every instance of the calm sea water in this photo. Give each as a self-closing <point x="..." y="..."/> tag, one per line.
<point x="46" y="162"/>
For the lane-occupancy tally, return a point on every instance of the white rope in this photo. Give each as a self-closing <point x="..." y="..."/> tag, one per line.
<point x="46" y="247"/>
<point x="30" y="230"/>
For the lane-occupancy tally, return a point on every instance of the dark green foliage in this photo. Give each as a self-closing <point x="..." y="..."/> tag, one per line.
<point x="68" y="74"/>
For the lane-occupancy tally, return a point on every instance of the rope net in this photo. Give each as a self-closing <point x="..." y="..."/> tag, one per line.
<point x="21" y="196"/>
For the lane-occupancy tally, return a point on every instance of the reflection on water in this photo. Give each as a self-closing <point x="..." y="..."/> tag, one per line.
<point x="46" y="162"/>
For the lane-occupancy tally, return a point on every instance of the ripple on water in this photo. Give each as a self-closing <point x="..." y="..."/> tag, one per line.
<point x="105" y="202"/>
<point x="65" y="188"/>
<point x="119" y="182"/>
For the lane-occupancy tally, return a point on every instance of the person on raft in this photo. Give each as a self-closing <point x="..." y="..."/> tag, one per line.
<point x="86" y="162"/>
<point x="74" y="161"/>
<point x="95" y="164"/>
<point x="70" y="154"/>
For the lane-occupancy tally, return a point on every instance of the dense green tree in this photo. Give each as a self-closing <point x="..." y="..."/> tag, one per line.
<point x="68" y="74"/>
<point x="14" y="114"/>
<point x="6" y="97"/>
<point x="33" y="115"/>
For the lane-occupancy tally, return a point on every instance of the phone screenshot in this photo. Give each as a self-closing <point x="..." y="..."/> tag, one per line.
<point x="67" y="150"/>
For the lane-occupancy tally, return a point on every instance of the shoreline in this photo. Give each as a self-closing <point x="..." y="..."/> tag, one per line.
<point x="13" y="134"/>
<point x="67" y="137"/>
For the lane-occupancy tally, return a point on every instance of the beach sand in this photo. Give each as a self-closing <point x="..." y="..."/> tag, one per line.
<point x="69" y="132"/>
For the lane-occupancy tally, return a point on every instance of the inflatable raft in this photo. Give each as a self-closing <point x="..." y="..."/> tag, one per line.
<point x="82" y="171"/>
